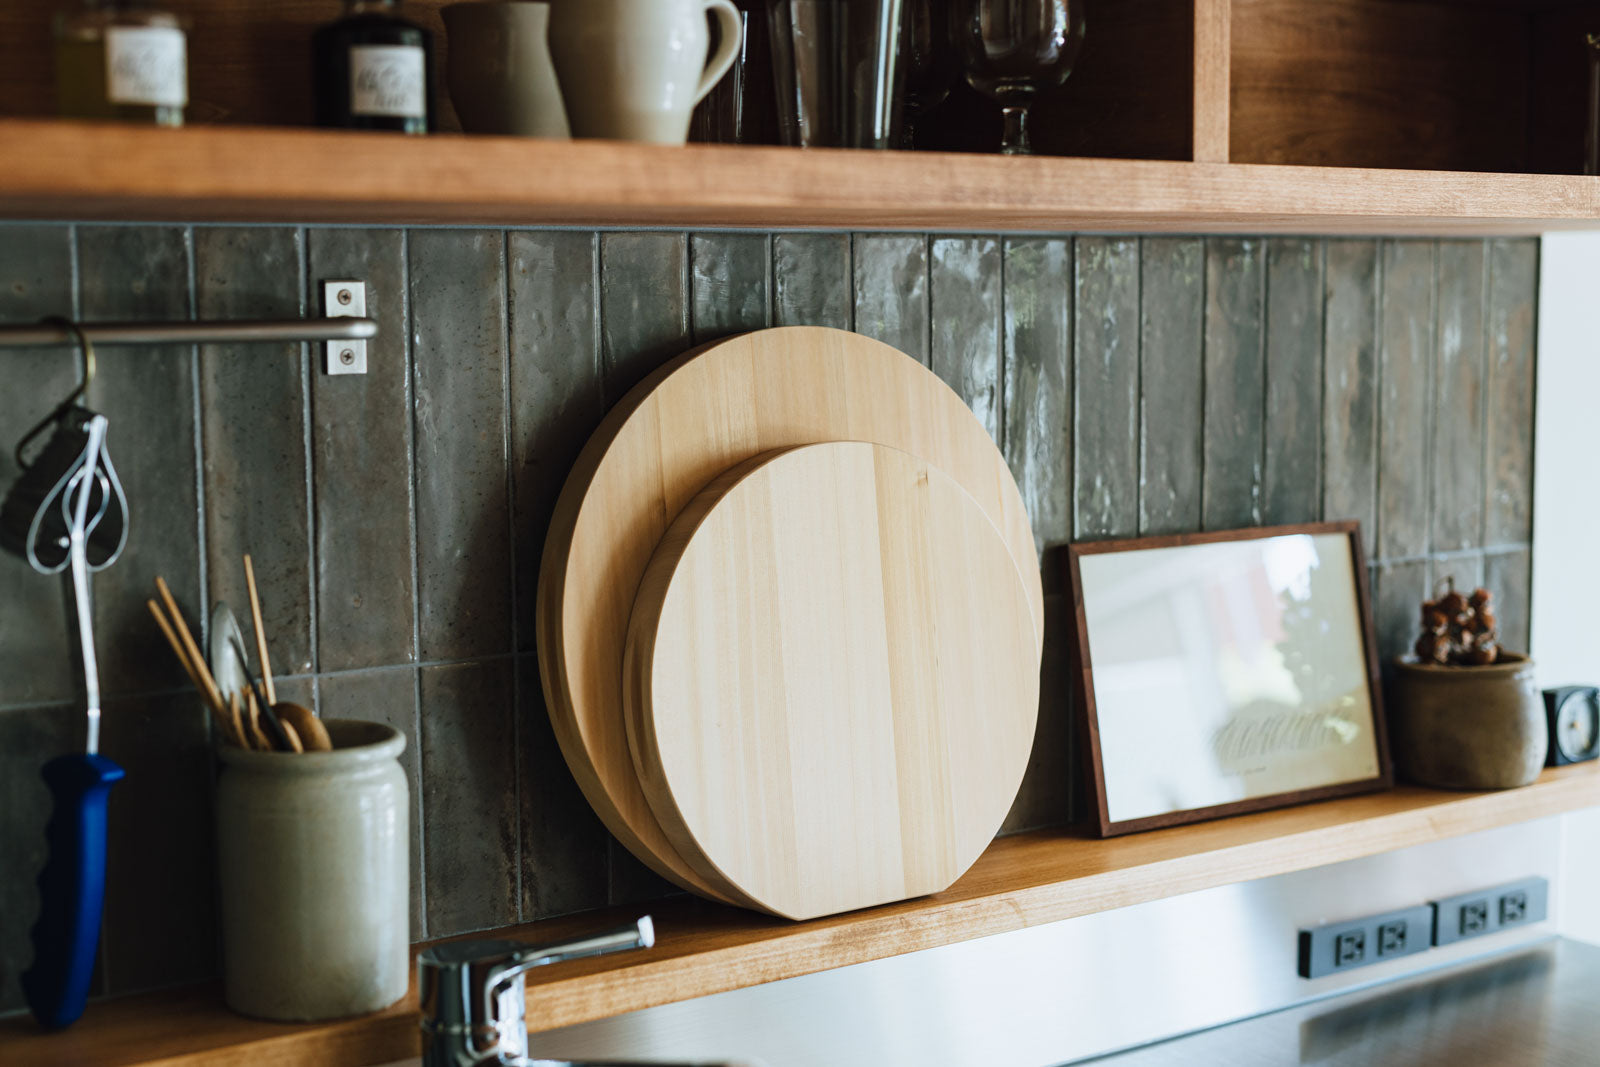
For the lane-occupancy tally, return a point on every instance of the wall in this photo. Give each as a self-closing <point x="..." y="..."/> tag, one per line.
<point x="1566" y="582"/>
<point x="1136" y="385"/>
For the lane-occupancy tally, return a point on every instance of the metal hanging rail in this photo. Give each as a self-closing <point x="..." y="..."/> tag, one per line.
<point x="240" y="331"/>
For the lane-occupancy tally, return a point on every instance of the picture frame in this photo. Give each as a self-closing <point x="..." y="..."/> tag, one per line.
<point x="1225" y="672"/>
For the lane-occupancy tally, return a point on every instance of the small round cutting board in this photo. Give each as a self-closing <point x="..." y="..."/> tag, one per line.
<point x="831" y="679"/>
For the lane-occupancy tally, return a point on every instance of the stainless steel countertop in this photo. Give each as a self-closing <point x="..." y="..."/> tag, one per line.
<point x="1534" y="1007"/>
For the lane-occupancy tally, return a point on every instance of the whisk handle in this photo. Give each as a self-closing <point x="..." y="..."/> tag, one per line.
<point x="72" y="888"/>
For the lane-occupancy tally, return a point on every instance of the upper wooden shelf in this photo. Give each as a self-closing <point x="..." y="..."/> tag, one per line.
<point x="703" y="948"/>
<point x="67" y="170"/>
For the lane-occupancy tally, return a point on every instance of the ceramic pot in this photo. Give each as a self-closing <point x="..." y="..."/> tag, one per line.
<point x="633" y="70"/>
<point x="1468" y="727"/>
<point x="500" y="75"/>
<point x="313" y="866"/>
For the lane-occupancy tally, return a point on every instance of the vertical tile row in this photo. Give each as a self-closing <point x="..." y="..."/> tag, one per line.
<point x="361" y="446"/>
<point x="811" y="280"/>
<point x="644" y="306"/>
<point x="729" y="284"/>
<point x="964" y="295"/>
<point x="1291" y="490"/>
<point x="1405" y="424"/>
<point x="1508" y="432"/>
<point x="1458" y="445"/>
<point x="644" y="321"/>
<point x="891" y="290"/>
<point x="252" y="403"/>
<point x="1350" y="387"/>
<point x="458" y="322"/>
<point x="469" y="796"/>
<point x="1106" y="387"/>
<point x="148" y="394"/>
<point x="457" y="281"/>
<point x="1171" y="323"/>
<point x="1235" y="383"/>
<point x="1036" y="381"/>
<point x="35" y="281"/>
<point x="557" y="399"/>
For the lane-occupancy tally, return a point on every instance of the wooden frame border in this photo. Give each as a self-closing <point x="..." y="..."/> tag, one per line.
<point x="1083" y="675"/>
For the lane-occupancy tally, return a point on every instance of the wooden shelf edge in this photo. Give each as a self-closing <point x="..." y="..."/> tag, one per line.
<point x="69" y="170"/>
<point x="1021" y="881"/>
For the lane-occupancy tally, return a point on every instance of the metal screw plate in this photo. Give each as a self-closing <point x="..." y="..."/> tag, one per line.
<point x="345" y="300"/>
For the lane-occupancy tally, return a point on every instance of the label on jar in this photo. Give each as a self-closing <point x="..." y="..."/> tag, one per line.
<point x="387" y="80"/>
<point x="146" y="65"/>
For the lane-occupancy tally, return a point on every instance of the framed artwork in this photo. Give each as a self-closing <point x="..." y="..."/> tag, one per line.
<point x="1226" y="672"/>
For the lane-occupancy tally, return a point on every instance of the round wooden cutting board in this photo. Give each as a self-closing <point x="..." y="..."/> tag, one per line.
<point x="831" y="679"/>
<point x="690" y="421"/>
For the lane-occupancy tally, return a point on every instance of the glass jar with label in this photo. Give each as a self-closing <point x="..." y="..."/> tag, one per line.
<point x="122" y="61"/>
<point x="374" y="70"/>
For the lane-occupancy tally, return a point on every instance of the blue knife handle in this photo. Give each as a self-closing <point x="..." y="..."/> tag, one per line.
<point x="72" y="889"/>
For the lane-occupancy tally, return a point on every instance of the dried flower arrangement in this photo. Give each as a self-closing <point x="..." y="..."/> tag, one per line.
<point x="1458" y="630"/>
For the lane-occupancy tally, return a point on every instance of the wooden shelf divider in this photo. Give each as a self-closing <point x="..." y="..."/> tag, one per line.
<point x="1021" y="881"/>
<point x="69" y="170"/>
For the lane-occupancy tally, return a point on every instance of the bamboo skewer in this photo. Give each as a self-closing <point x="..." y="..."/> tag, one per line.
<point x="261" y="633"/>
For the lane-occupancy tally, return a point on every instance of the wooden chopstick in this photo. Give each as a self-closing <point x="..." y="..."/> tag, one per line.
<point x="178" y="650"/>
<point x="261" y="633"/>
<point x="208" y="684"/>
<point x="237" y="722"/>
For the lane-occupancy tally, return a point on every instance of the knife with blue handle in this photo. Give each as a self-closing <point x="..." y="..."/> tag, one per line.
<point x="72" y="888"/>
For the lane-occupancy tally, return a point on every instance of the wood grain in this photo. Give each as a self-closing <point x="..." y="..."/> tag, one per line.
<point x="1213" y="65"/>
<point x="832" y="678"/>
<point x="1374" y="83"/>
<point x="65" y="170"/>
<point x="682" y="426"/>
<point x="1020" y="881"/>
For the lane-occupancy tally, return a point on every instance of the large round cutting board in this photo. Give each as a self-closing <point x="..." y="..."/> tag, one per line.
<point x="689" y="422"/>
<point x="831" y="679"/>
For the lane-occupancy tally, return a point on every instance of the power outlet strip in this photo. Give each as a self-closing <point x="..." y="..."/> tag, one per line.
<point x="1340" y="947"/>
<point x="1345" y="946"/>
<point x="1488" y="911"/>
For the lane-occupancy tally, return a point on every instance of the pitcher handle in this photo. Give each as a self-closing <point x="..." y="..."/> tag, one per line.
<point x="729" y="43"/>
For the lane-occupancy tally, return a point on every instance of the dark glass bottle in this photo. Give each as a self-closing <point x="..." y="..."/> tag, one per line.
<point x="374" y="70"/>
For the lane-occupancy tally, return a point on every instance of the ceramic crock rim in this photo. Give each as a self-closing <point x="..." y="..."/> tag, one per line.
<point x="343" y="759"/>
<point x="1509" y="663"/>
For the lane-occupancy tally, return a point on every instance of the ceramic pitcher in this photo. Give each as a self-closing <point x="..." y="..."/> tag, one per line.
<point x="633" y="70"/>
<point x="500" y="75"/>
<point x="313" y="872"/>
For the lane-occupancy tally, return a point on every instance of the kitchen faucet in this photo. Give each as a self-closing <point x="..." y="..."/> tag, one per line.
<point x="474" y="1001"/>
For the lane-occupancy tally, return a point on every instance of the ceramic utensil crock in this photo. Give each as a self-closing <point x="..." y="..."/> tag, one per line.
<point x="313" y="865"/>
<point x="633" y="70"/>
<point x="1456" y="727"/>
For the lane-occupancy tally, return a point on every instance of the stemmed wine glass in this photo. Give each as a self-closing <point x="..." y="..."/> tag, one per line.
<point x="1015" y="49"/>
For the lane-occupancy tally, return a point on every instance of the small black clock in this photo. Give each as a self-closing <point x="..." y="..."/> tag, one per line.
<point x="1573" y="716"/>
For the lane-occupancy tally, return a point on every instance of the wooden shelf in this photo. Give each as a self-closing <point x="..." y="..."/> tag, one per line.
<point x="65" y="170"/>
<point x="1021" y="881"/>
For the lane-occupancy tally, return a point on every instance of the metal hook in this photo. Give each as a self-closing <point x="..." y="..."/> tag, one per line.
<point x="85" y="349"/>
<point x="85" y="379"/>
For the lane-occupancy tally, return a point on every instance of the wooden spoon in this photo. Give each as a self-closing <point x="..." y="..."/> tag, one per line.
<point x="307" y="727"/>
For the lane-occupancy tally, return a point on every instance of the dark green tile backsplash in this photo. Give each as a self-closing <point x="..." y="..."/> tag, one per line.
<point x="1136" y="385"/>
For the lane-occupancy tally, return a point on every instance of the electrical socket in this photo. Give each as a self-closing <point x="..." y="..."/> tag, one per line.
<point x="1344" y="946"/>
<point x="1488" y="911"/>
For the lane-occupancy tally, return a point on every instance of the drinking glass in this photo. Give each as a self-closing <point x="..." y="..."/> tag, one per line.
<point x="1015" y="49"/>
<point x="1591" y="147"/>
<point x="837" y="70"/>
<point x="928" y="56"/>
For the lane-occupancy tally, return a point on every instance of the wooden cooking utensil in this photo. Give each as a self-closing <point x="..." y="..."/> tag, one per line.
<point x="261" y="633"/>
<point x="293" y="737"/>
<point x="307" y="727"/>
<point x="684" y="425"/>
<point x="832" y="679"/>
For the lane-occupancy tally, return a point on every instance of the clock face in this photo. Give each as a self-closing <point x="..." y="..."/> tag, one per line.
<point x="1578" y="725"/>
